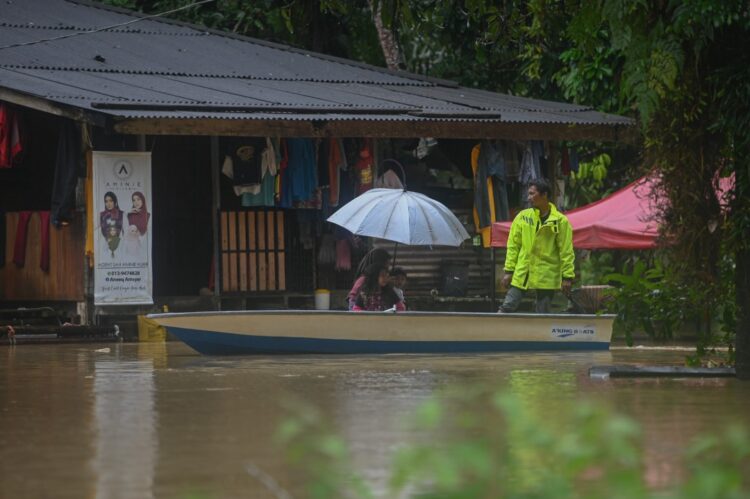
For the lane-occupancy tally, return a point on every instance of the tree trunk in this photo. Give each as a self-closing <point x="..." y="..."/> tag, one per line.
<point x="388" y="42"/>
<point x="742" y="280"/>
<point x="742" y="340"/>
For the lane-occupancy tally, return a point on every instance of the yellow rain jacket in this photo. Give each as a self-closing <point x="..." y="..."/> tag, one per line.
<point x="540" y="255"/>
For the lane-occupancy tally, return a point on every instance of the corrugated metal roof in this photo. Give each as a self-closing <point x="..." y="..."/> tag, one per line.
<point x="157" y="69"/>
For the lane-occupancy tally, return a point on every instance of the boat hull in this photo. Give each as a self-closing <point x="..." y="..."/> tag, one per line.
<point x="335" y="332"/>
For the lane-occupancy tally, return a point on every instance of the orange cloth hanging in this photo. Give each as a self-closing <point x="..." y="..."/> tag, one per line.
<point x="487" y="231"/>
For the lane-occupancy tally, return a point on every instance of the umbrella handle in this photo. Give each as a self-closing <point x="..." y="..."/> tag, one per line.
<point x="403" y="173"/>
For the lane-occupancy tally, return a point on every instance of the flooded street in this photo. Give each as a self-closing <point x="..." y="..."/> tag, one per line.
<point x="159" y="420"/>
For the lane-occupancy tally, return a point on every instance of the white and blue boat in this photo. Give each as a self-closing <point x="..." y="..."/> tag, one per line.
<point x="342" y="332"/>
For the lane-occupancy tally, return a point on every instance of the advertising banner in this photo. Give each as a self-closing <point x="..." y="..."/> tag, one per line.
<point x="122" y="228"/>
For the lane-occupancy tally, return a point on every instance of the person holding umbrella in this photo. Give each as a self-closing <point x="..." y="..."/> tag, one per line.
<point x="540" y="252"/>
<point x="376" y="256"/>
<point x="377" y="294"/>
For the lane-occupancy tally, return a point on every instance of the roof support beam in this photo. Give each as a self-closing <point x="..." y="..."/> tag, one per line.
<point x="376" y="129"/>
<point x="48" y="106"/>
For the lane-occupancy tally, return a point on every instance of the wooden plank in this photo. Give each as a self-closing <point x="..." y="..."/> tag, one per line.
<point x="252" y="255"/>
<point x="262" y="255"/>
<point x="271" y="228"/>
<point x="233" y="263"/>
<point x="242" y="246"/>
<point x="64" y="281"/>
<point x="281" y="255"/>
<point x="378" y="129"/>
<point x="280" y="240"/>
<point x="224" y="230"/>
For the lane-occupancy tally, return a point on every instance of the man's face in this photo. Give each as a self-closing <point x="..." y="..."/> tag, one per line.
<point x="536" y="199"/>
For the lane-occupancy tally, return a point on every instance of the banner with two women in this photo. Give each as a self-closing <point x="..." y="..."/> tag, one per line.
<point x="122" y="228"/>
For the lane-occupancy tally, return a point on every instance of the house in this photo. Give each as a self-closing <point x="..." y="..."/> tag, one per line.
<point x="78" y="75"/>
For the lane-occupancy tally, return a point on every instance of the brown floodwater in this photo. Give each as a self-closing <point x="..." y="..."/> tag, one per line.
<point x="159" y="420"/>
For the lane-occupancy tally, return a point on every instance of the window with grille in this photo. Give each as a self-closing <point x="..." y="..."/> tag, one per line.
<point x="253" y="254"/>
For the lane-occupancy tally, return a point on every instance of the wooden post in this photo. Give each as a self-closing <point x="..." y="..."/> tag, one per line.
<point x="493" y="272"/>
<point x="216" y="206"/>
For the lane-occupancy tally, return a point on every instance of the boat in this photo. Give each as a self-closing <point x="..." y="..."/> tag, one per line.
<point x="343" y="332"/>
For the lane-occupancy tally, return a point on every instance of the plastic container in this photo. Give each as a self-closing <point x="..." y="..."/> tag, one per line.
<point x="322" y="299"/>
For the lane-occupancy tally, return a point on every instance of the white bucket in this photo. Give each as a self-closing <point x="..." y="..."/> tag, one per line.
<point x="322" y="299"/>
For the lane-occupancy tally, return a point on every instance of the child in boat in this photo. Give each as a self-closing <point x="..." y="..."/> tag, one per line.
<point x="376" y="256"/>
<point x="398" y="281"/>
<point x="377" y="294"/>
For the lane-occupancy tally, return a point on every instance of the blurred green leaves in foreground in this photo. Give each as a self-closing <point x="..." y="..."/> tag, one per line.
<point x="485" y="443"/>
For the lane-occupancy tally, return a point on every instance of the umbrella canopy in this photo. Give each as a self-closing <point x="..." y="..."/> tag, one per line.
<point x="401" y="216"/>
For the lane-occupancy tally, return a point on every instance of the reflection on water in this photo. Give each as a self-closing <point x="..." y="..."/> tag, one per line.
<point x="155" y="420"/>
<point x="126" y="439"/>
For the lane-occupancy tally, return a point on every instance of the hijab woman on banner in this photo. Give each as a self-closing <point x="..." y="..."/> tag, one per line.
<point x="122" y="243"/>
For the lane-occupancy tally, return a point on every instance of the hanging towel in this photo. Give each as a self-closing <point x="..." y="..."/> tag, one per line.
<point x="490" y="181"/>
<point x="11" y="145"/>
<point x="67" y="168"/>
<point x="343" y="255"/>
<point x="19" y="248"/>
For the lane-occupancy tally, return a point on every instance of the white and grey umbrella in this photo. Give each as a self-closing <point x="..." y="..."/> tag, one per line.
<point x="401" y="216"/>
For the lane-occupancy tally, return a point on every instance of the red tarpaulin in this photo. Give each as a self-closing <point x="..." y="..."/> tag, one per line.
<point x="622" y="220"/>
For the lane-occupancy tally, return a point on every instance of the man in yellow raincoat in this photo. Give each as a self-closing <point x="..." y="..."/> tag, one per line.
<point x="540" y="252"/>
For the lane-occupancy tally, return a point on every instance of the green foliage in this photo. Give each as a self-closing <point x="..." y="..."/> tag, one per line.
<point x="483" y="442"/>
<point x="659" y="301"/>
<point x="587" y="185"/>
<point x="310" y="443"/>
<point x="595" y="266"/>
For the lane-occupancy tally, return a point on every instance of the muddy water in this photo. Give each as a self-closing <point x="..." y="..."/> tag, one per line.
<point x="159" y="420"/>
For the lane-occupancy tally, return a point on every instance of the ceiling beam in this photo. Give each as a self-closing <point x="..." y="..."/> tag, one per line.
<point x="376" y="129"/>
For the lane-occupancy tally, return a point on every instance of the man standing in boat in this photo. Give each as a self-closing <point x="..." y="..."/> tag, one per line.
<point x="540" y="252"/>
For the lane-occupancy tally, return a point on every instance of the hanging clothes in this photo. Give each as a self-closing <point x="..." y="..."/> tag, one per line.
<point x="301" y="175"/>
<point x="323" y="152"/>
<point x="343" y="255"/>
<point x="22" y="232"/>
<point x="490" y="181"/>
<point x="2" y="238"/>
<point x="365" y="167"/>
<point x="336" y="163"/>
<point x="262" y="194"/>
<point x="564" y="161"/>
<point x="327" y="250"/>
<point x="530" y="163"/>
<point x="244" y="156"/>
<point x="265" y="195"/>
<point x="68" y="166"/>
<point x="574" y="162"/>
<point x="485" y="232"/>
<point x="11" y="144"/>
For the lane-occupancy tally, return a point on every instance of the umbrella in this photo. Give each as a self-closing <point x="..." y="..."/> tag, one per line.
<point x="401" y="216"/>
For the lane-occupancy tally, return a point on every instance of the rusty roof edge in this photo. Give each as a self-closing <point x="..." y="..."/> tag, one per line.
<point x="274" y="45"/>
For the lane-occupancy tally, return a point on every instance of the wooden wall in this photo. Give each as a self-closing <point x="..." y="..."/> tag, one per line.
<point x="63" y="282"/>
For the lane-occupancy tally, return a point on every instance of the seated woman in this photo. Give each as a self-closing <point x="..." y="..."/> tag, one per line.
<point x="376" y="294"/>
<point x="376" y="256"/>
